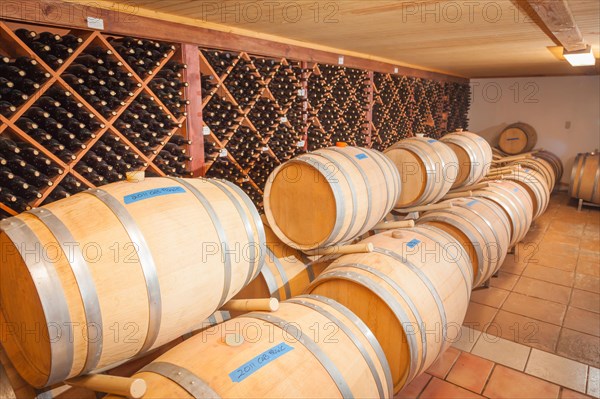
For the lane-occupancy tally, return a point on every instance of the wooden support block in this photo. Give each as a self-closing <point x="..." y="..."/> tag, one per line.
<point x="341" y="250"/>
<point x="401" y="224"/>
<point x="474" y="187"/>
<point x="458" y="194"/>
<point x="424" y="208"/>
<point x="251" y="305"/>
<point x="133" y="388"/>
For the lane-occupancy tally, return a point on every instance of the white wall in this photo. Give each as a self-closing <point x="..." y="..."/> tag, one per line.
<point x="565" y="111"/>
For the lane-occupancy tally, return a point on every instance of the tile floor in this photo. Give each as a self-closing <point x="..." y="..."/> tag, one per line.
<point x="535" y="333"/>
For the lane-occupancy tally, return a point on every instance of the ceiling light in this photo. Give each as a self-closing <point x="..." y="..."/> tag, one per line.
<point x="580" y="57"/>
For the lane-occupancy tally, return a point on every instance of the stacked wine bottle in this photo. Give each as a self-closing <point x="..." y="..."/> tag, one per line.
<point x="96" y="120"/>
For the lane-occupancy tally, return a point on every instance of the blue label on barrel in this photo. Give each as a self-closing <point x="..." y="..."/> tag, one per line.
<point x="413" y="243"/>
<point x="472" y="203"/>
<point x="251" y="367"/>
<point x="362" y="156"/>
<point x="432" y="141"/>
<point x="155" y="192"/>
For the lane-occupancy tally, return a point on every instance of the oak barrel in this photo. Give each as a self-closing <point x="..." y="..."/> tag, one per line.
<point x="554" y="160"/>
<point x="427" y="167"/>
<point x="312" y="347"/>
<point x="474" y="156"/>
<point x="515" y="202"/>
<point x="536" y="187"/>
<point x="585" y="177"/>
<point x="330" y="196"/>
<point x="481" y="226"/>
<point x="517" y="138"/>
<point x="286" y="272"/>
<point x="541" y="166"/>
<point x="132" y="266"/>
<point x="409" y="291"/>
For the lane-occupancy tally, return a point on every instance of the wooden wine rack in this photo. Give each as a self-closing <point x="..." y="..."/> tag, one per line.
<point x="13" y="46"/>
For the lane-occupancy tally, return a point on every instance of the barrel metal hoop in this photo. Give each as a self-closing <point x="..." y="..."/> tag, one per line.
<point x="220" y="232"/>
<point x="367" y="185"/>
<point x="146" y="260"/>
<point x="337" y="193"/>
<point x="469" y="278"/>
<point x="394" y="306"/>
<point x="310" y="272"/>
<point x="595" y="187"/>
<point x="355" y="206"/>
<point x="254" y="265"/>
<point x="350" y="334"/>
<point x="52" y="298"/>
<point x="181" y="376"/>
<point x="364" y="329"/>
<point x="572" y="192"/>
<point x="85" y="281"/>
<point x="257" y="223"/>
<point x="406" y="299"/>
<point x="394" y="172"/>
<point x="312" y="347"/>
<point x="282" y="274"/>
<point x="426" y="281"/>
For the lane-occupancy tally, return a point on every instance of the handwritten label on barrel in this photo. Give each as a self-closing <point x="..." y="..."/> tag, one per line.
<point x="472" y="203"/>
<point x="413" y="243"/>
<point x="251" y="367"/>
<point x="513" y="139"/>
<point x="362" y="156"/>
<point x="155" y="192"/>
<point x="432" y="141"/>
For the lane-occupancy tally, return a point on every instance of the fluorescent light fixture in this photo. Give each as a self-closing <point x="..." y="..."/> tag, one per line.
<point x="580" y="57"/>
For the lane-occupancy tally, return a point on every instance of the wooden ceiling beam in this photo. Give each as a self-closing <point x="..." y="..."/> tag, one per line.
<point x="557" y="17"/>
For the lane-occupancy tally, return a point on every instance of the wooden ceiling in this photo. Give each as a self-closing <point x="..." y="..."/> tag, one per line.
<point x="464" y="38"/>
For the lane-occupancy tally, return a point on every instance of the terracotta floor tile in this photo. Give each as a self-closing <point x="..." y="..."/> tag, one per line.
<point x="502" y="351"/>
<point x="438" y="389"/>
<point x="508" y="383"/>
<point x="592" y="231"/>
<point x="561" y="262"/>
<point x="470" y="372"/>
<point x="505" y="281"/>
<point x="568" y="394"/>
<point x="558" y="246"/>
<point x="588" y="265"/>
<point x="479" y="316"/>
<point x="587" y="283"/>
<point x="543" y="290"/>
<point x="412" y="390"/>
<point x="583" y="321"/>
<point x="590" y="244"/>
<point x="593" y="387"/>
<point x="514" y="264"/>
<point x="549" y="274"/>
<point x="524" y="330"/>
<point x="491" y="296"/>
<point x="561" y="240"/>
<point x="585" y="300"/>
<point x="444" y="363"/>
<point x="565" y="372"/>
<point x="540" y="309"/>
<point x="566" y="228"/>
<point x="465" y="339"/>
<point x="578" y="346"/>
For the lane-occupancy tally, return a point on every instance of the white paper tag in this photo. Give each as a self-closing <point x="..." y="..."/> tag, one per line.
<point x="395" y="70"/>
<point x="246" y="179"/>
<point x="283" y="119"/>
<point x="95" y="23"/>
<point x="301" y="92"/>
<point x="341" y="60"/>
<point x="223" y="153"/>
<point x="300" y="143"/>
<point x="206" y="130"/>
<point x="265" y="149"/>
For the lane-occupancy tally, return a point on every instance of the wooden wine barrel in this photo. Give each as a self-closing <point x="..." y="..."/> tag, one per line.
<point x="330" y="196"/>
<point x="541" y="166"/>
<point x="515" y="202"/>
<point x="482" y="227"/>
<point x="427" y="168"/>
<point x="554" y="161"/>
<point x="312" y="347"/>
<point x="474" y="156"/>
<point x="517" y="138"/>
<point x="536" y="187"/>
<point x="286" y="272"/>
<point x="585" y="177"/>
<point x="409" y="291"/>
<point x="132" y="266"/>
